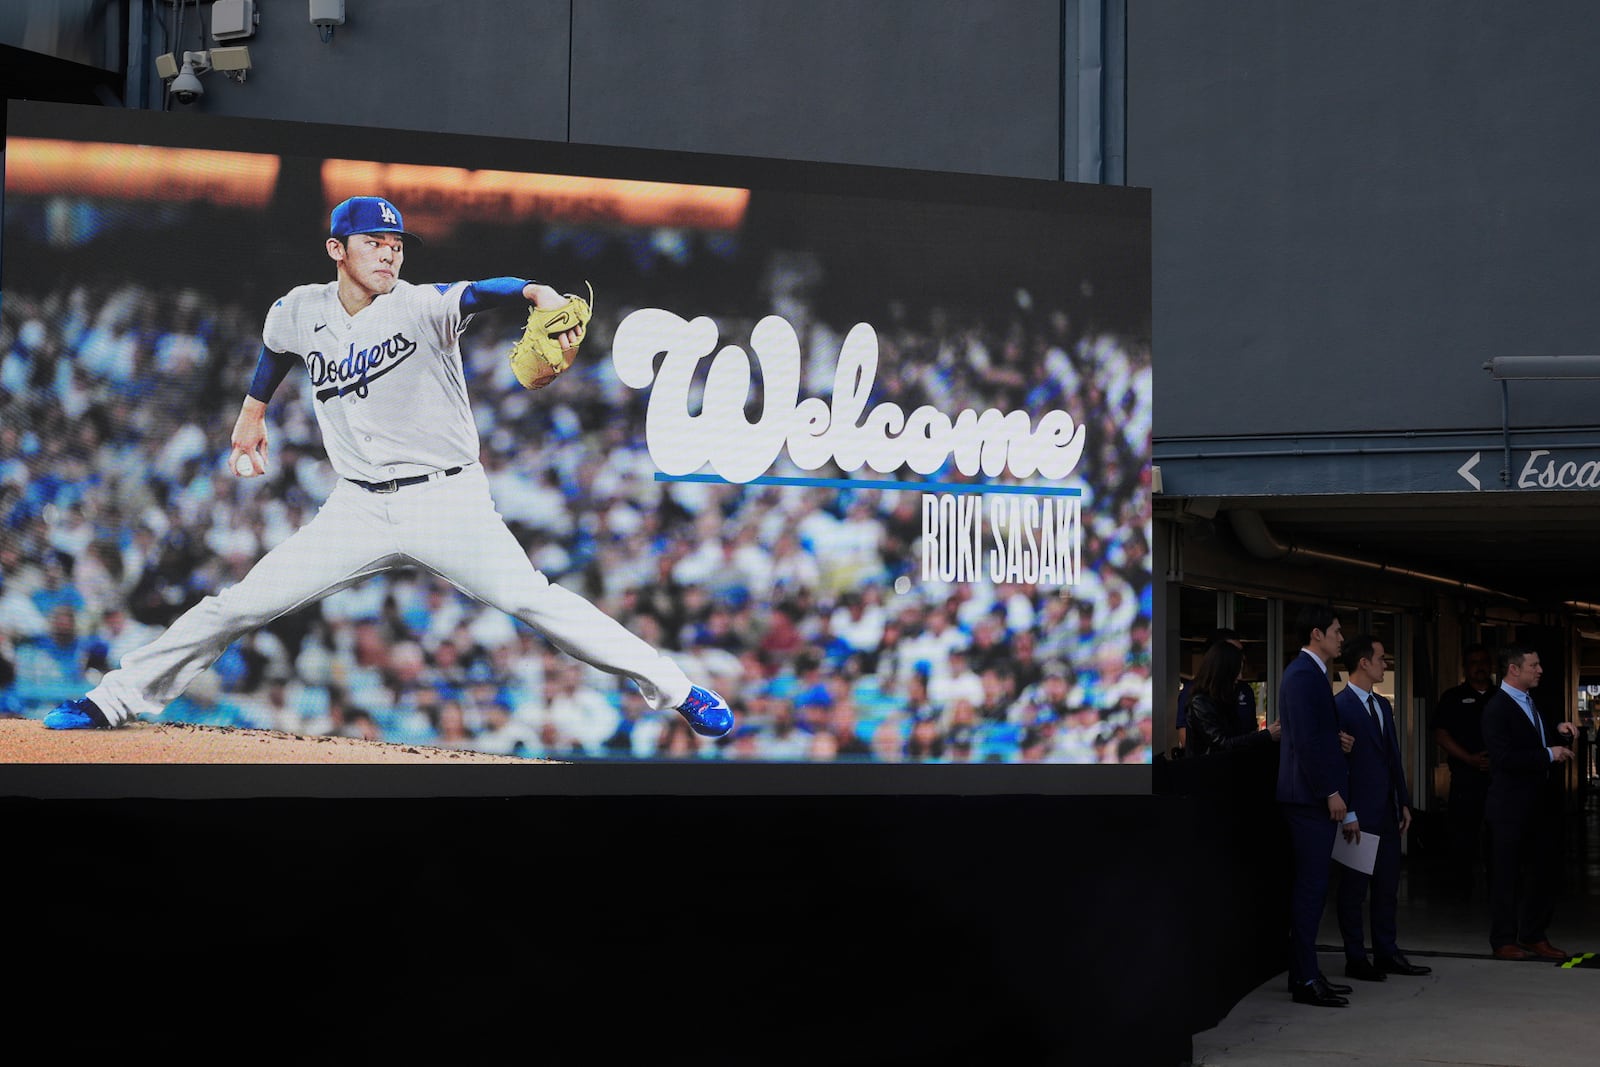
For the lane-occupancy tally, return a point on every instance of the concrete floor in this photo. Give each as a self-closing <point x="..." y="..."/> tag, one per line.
<point x="1472" y="1010"/>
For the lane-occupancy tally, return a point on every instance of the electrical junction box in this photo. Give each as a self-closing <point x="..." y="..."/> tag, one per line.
<point x="232" y="19"/>
<point x="327" y="12"/>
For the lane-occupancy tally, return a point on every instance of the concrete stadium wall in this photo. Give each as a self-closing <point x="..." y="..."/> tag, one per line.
<point x="1356" y="205"/>
<point x="902" y="83"/>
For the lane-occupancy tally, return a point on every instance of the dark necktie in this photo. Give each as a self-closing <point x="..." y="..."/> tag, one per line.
<point x="1372" y="706"/>
<point x="1533" y="716"/>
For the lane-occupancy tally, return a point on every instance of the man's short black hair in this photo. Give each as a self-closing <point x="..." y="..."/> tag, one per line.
<point x="1356" y="649"/>
<point x="1313" y="617"/>
<point x="1514" y="654"/>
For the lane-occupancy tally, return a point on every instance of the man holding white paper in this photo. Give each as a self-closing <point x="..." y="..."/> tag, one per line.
<point x="1379" y="794"/>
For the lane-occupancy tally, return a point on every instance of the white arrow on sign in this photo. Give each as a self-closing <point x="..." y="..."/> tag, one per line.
<point x="1465" y="470"/>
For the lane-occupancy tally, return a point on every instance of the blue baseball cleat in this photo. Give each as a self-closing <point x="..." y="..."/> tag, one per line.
<point x="80" y="714"/>
<point x="707" y="713"/>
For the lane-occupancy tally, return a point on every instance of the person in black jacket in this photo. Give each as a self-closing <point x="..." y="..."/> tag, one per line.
<point x="1244" y="698"/>
<point x="1214" y="724"/>
<point x="1458" y="730"/>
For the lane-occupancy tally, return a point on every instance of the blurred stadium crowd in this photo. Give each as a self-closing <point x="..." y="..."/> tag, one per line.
<point x="116" y="402"/>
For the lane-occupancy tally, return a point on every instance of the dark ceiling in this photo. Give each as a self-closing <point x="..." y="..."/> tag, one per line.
<point x="1536" y="547"/>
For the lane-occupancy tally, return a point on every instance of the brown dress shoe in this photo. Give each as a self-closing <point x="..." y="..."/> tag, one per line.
<point x="1544" y="950"/>
<point x="1511" y="952"/>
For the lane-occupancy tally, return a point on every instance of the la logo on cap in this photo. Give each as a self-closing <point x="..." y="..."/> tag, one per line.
<point x="367" y="214"/>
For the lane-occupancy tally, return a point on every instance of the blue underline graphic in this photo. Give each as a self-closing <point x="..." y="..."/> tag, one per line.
<point x="867" y="483"/>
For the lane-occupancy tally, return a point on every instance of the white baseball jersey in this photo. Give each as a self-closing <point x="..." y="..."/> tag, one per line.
<point x="391" y="399"/>
<point x="387" y="382"/>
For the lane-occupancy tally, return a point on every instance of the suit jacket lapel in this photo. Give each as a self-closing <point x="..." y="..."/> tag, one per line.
<point x="1391" y="738"/>
<point x="1537" y="733"/>
<point x="1532" y="729"/>
<point x="1397" y="770"/>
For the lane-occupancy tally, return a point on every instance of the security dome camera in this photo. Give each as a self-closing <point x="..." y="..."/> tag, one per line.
<point x="186" y="87"/>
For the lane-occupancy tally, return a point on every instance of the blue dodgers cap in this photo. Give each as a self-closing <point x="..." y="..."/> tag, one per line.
<point x="367" y="214"/>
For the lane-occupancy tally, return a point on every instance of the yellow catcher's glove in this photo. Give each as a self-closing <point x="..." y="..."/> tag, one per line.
<point x="538" y="358"/>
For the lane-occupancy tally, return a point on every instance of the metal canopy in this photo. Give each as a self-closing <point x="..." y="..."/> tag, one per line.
<point x="1409" y="501"/>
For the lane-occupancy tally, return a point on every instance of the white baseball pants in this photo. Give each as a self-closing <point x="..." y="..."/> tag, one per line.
<point x="448" y="526"/>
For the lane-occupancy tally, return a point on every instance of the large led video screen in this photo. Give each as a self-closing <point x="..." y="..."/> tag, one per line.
<point x="850" y="467"/>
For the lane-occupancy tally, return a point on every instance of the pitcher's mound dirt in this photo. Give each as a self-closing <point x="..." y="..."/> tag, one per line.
<point x="27" y="741"/>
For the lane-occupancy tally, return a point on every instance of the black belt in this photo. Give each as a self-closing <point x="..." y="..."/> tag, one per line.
<point x="395" y="483"/>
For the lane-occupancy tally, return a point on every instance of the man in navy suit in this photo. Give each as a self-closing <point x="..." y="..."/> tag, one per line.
<point x="1378" y="795"/>
<point x="1312" y="780"/>
<point x="1526" y="754"/>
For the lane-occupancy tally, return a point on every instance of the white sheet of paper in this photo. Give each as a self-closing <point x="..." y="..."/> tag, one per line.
<point x="1360" y="856"/>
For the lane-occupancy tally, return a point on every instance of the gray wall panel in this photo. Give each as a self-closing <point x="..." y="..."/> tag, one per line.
<point x="906" y="83"/>
<point x="1356" y="204"/>
<point x="466" y="66"/>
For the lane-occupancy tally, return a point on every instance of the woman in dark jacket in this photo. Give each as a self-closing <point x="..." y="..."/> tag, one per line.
<point x="1213" y="725"/>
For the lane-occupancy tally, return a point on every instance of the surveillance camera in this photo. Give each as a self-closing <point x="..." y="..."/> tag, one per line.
<point x="186" y="88"/>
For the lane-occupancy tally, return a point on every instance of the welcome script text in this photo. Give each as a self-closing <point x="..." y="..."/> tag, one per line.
<point x="842" y="431"/>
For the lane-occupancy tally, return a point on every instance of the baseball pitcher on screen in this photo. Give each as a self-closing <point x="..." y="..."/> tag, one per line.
<point x="390" y="397"/>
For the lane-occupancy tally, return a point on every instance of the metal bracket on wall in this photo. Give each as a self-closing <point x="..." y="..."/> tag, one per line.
<point x="1507" y="369"/>
<point x="1093" y="134"/>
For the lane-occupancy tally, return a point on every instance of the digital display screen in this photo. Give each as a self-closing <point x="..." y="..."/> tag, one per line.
<point x="861" y="454"/>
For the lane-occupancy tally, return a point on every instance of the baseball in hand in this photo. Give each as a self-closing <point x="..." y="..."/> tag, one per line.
<point x="244" y="466"/>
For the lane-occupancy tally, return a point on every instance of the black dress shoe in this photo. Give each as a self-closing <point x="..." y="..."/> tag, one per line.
<point x="1317" y="992"/>
<point x="1363" y="970"/>
<point x="1398" y="964"/>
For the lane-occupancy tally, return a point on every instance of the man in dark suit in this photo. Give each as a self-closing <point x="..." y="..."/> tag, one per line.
<point x="1312" y="779"/>
<point x="1379" y="797"/>
<point x="1523" y="810"/>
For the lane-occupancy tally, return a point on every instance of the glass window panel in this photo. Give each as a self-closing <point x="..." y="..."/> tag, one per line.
<point x="1197" y="618"/>
<point x="1250" y="623"/>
